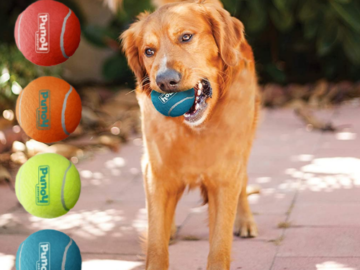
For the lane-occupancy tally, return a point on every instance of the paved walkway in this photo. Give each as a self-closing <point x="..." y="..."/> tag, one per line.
<point x="308" y="211"/>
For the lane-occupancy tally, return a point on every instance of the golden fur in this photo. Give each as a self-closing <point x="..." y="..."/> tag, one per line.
<point x="211" y="154"/>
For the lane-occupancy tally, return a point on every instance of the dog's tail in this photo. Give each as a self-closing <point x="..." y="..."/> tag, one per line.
<point x="250" y="190"/>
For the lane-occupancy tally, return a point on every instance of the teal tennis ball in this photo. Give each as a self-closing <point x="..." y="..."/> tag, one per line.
<point x="48" y="250"/>
<point x="48" y="185"/>
<point x="173" y="104"/>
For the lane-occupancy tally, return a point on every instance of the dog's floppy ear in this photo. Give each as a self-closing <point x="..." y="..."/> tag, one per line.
<point x="228" y="33"/>
<point x="130" y="42"/>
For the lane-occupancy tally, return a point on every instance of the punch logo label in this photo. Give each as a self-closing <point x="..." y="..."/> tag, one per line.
<point x="42" y="38"/>
<point x="166" y="97"/>
<point x="44" y="257"/>
<point x="43" y="112"/>
<point x="43" y="186"/>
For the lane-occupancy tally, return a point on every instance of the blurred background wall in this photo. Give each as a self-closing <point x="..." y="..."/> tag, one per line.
<point x="307" y="57"/>
<point x="295" y="41"/>
<point x="87" y="63"/>
<point x="303" y="48"/>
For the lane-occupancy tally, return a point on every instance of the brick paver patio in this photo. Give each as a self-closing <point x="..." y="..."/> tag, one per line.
<point x="308" y="212"/>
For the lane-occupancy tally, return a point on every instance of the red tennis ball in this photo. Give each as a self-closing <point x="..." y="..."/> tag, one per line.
<point x="48" y="109"/>
<point x="47" y="33"/>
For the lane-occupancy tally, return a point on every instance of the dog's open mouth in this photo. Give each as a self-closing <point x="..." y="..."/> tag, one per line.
<point x="203" y="91"/>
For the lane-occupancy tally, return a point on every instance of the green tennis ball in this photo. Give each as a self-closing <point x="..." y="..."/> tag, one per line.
<point x="48" y="250"/>
<point x="173" y="104"/>
<point x="48" y="185"/>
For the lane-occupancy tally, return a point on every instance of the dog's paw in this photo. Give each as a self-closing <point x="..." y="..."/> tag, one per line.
<point x="246" y="228"/>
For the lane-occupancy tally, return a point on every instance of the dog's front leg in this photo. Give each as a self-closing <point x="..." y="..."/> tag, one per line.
<point x="223" y="199"/>
<point x="162" y="196"/>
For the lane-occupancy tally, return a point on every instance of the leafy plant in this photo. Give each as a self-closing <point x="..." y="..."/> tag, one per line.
<point x="115" y="68"/>
<point x="302" y="40"/>
<point x="293" y="40"/>
<point x="15" y="70"/>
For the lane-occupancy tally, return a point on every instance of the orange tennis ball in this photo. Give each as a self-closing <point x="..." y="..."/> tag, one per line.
<point x="47" y="33"/>
<point x="48" y="109"/>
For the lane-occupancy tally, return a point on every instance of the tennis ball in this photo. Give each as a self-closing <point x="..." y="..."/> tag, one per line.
<point x="173" y="104"/>
<point x="48" y="185"/>
<point x="48" y="250"/>
<point x="47" y="33"/>
<point x="48" y="109"/>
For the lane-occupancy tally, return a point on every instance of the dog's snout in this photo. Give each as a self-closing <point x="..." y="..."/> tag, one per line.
<point x="168" y="80"/>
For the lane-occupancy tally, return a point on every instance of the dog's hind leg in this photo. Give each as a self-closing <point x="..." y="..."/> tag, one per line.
<point x="245" y="225"/>
<point x="162" y="197"/>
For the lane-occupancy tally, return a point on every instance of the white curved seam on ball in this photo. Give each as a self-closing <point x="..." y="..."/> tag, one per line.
<point x="177" y="103"/>
<point x="65" y="252"/>
<point x="19" y="31"/>
<point x="63" y="111"/>
<point x="20" y="173"/>
<point x="63" y="188"/>
<point x="20" y="256"/>
<point x="63" y="33"/>
<point x="20" y="108"/>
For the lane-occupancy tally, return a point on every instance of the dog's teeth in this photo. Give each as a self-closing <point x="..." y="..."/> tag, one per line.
<point x="186" y="114"/>
<point x="197" y="106"/>
<point x="199" y="92"/>
<point x="200" y="86"/>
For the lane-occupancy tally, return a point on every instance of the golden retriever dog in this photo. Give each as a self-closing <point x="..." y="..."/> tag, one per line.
<point x="195" y="44"/>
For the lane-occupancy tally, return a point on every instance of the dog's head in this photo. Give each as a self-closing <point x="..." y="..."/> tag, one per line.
<point x="182" y="46"/>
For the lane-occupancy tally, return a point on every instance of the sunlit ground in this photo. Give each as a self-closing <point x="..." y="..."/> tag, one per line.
<point x="317" y="175"/>
<point x="92" y="223"/>
<point x="331" y="265"/>
<point x="309" y="174"/>
<point x="329" y="174"/>
<point x="7" y="262"/>
<point x="109" y="265"/>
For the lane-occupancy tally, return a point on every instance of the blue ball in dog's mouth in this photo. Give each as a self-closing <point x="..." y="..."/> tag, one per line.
<point x="173" y="104"/>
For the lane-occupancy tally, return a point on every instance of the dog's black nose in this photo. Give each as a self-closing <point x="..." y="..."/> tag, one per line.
<point x="168" y="80"/>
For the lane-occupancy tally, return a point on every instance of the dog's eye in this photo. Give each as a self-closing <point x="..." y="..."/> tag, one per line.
<point x="149" y="52"/>
<point x="186" y="37"/>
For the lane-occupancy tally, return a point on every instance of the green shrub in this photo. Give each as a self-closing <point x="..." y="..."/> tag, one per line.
<point x="293" y="40"/>
<point x="115" y="68"/>
<point x="302" y="40"/>
<point x="15" y="71"/>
